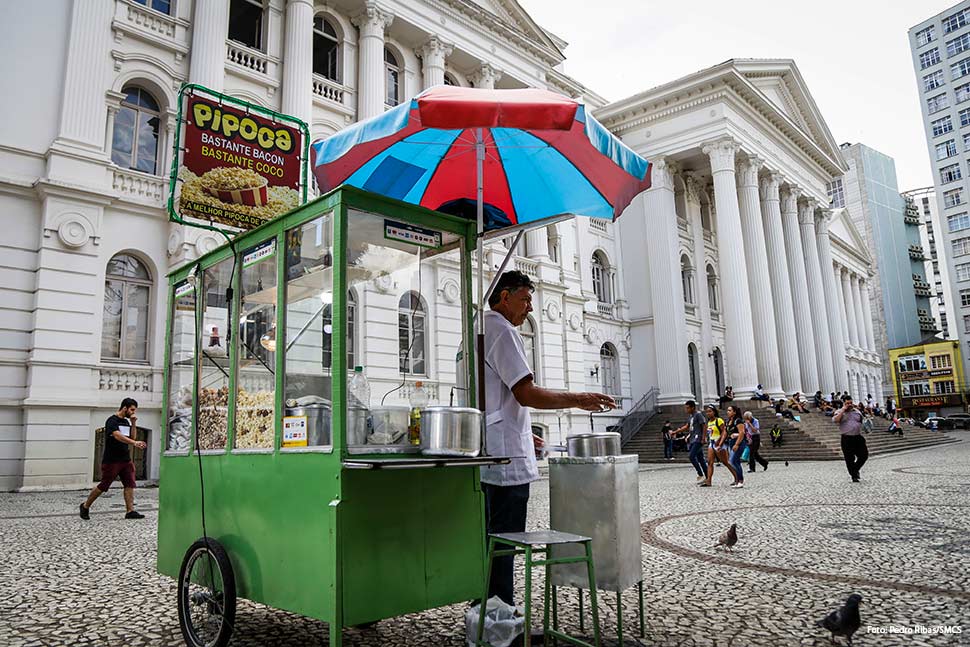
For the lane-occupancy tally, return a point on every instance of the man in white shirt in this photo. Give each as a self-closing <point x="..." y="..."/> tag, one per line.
<point x="509" y="389"/>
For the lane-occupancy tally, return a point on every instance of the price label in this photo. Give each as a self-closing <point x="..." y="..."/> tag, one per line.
<point x="295" y="431"/>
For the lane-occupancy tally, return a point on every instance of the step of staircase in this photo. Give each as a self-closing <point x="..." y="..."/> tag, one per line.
<point x="813" y="438"/>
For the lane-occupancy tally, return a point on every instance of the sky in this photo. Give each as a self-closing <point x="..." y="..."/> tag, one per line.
<point x="853" y="54"/>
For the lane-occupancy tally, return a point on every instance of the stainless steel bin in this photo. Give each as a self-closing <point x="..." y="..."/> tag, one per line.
<point x="598" y="497"/>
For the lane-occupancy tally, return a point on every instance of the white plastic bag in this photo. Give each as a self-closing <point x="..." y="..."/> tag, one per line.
<point x="503" y="623"/>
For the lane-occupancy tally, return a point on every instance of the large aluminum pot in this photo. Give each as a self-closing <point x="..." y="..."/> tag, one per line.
<point x="594" y="444"/>
<point x="451" y="431"/>
<point x="357" y="424"/>
<point x="317" y="422"/>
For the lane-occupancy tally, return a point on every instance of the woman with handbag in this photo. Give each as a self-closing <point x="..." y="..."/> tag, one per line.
<point x="738" y="443"/>
<point x="717" y="447"/>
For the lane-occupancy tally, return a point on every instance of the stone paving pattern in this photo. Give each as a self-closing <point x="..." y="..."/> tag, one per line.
<point x="808" y="538"/>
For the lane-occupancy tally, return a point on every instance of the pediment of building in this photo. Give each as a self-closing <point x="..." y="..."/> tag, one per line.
<point x="512" y="14"/>
<point x="844" y="232"/>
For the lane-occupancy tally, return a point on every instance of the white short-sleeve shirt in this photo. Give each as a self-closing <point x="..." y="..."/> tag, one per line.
<point x="508" y="426"/>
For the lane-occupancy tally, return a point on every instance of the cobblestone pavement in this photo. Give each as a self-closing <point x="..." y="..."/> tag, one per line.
<point x="808" y="538"/>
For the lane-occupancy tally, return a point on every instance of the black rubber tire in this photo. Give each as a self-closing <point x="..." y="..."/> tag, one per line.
<point x="221" y="559"/>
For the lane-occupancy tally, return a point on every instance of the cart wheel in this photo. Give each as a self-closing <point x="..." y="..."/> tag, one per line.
<point x="206" y="595"/>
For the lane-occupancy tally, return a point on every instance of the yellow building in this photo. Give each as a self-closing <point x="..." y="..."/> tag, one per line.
<point x="928" y="377"/>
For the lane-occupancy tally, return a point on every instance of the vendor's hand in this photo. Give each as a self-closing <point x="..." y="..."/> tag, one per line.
<point x="595" y="402"/>
<point x="140" y="444"/>
<point x="538" y="442"/>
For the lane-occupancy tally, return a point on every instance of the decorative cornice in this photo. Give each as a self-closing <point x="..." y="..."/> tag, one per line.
<point x="770" y="185"/>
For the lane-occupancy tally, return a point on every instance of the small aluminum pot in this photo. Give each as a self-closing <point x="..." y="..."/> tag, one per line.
<point x="594" y="444"/>
<point x="318" y="423"/>
<point x="451" y="431"/>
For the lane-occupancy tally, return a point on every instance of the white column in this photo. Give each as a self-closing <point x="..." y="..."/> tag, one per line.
<point x="840" y="297"/>
<point x="866" y="302"/>
<point x="171" y="120"/>
<point x="485" y="77"/>
<point x="759" y="282"/>
<point x="433" y="54"/>
<point x="86" y="74"/>
<point x="815" y="280"/>
<point x="210" y="26"/>
<point x="839" y="344"/>
<point x="736" y="301"/>
<point x="297" y="99"/>
<point x="114" y="105"/>
<point x="805" y="333"/>
<point x="372" y="22"/>
<point x="693" y="188"/>
<point x="669" y="326"/>
<point x="860" y="321"/>
<point x="537" y="243"/>
<point x="850" y="309"/>
<point x="781" y="295"/>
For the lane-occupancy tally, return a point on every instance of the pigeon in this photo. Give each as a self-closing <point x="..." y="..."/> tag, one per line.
<point x="729" y="538"/>
<point x="845" y="620"/>
<point x="786" y="463"/>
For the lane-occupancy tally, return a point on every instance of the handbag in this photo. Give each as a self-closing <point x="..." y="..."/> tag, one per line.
<point x="746" y="454"/>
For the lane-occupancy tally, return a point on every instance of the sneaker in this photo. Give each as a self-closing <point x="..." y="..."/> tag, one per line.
<point x="751" y="471"/>
<point x="700" y="479"/>
<point x="737" y="486"/>
<point x="856" y="479"/>
<point x="134" y="514"/>
<point x="705" y="484"/>
<point x="85" y="513"/>
<point x="765" y="468"/>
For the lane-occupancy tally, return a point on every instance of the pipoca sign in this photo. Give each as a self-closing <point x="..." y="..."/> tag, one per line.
<point x="239" y="165"/>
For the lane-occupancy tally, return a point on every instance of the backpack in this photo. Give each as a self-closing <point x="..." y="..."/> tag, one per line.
<point x="867" y="425"/>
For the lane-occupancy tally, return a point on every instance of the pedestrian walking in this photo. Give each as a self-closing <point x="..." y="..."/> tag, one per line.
<point x="737" y="443"/>
<point x="668" y="441"/>
<point x="119" y="432"/>
<point x="717" y="448"/>
<point x="696" y="427"/>
<point x="854" y="448"/>
<point x="754" y="438"/>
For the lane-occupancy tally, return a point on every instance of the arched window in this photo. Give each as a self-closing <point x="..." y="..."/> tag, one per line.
<point x="609" y="369"/>
<point x="450" y="80"/>
<point x="412" y="337"/>
<point x="602" y="278"/>
<point x="687" y="279"/>
<point x="528" y="332"/>
<point x="712" y="290"/>
<point x="326" y="49"/>
<point x="351" y="347"/>
<point x="134" y="142"/>
<point x="127" y="295"/>
<point x="392" y="79"/>
<point x="246" y="22"/>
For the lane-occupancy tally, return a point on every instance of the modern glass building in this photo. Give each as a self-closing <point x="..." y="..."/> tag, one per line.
<point x="941" y="58"/>
<point x="901" y="295"/>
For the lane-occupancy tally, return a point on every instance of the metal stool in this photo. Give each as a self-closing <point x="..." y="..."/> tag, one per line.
<point x="527" y="543"/>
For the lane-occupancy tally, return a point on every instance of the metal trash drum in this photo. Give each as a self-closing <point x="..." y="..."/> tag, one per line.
<point x="598" y="497"/>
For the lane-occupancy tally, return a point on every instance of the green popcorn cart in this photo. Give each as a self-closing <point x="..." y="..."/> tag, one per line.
<point x="277" y="484"/>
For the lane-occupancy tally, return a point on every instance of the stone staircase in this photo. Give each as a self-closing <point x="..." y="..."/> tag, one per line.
<point x="814" y="438"/>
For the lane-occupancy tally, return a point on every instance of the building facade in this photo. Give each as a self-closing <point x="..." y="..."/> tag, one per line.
<point x="935" y="267"/>
<point x="88" y="243"/>
<point x="941" y="57"/>
<point x="747" y="270"/>
<point x="925" y="378"/>
<point x="891" y="229"/>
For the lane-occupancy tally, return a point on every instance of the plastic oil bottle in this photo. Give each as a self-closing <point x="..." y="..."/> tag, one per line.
<point x="359" y="387"/>
<point x="419" y="400"/>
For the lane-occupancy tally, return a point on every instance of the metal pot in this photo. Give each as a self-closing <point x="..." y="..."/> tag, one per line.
<point x="451" y="431"/>
<point x="594" y="444"/>
<point x="318" y="418"/>
<point x="357" y="424"/>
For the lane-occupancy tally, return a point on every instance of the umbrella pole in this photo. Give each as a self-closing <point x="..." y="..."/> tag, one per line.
<point x="480" y="217"/>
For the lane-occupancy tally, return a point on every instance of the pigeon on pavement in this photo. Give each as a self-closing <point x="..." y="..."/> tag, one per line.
<point x="729" y="538"/>
<point x="845" y="620"/>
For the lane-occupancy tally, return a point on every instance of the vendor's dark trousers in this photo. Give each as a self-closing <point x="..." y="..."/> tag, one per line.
<point x="697" y="458"/>
<point x="856" y="452"/>
<point x="505" y="511"/>
<point x="753" y="454"/>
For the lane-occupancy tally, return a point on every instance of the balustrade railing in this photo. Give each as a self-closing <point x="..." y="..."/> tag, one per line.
<point x="129" y="380"/>
<point x="139" y="186"/>
<point x="245" y="57"/>
<point x="150" y="20"/>
<point x="638" y="415"/>
<point x="328" y="90"/>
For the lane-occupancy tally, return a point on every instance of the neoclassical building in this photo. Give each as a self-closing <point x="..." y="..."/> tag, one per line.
<point x="737" y="271"/>
<point x="723" y="273"/>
